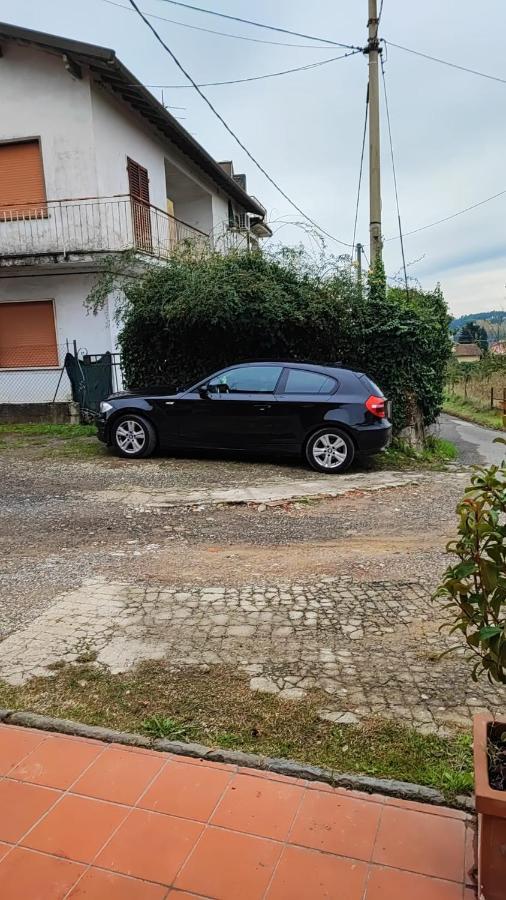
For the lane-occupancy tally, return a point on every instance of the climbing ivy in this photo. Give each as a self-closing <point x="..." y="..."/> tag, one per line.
<point x="202" y="311"/>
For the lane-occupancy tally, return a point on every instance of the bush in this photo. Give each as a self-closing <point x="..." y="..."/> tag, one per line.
<point x="201" y="312"/>
<point x="475" y="588"/>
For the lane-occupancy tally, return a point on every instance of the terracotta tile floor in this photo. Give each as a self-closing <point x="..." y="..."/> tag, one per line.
<point x="81" y="819"/>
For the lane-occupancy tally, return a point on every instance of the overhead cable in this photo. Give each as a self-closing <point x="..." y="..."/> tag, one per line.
<point x="229" y="129"/>
<point x="396" y="190"/>
<point x="237" y="37"/>
<point x="445" y="62"/>
<point x="309" y="37"/>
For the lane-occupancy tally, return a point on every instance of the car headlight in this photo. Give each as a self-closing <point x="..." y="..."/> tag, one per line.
<point x="105" y="406"/>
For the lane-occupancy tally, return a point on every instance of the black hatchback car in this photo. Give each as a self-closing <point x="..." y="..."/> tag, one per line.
<point x="326" y="413"/>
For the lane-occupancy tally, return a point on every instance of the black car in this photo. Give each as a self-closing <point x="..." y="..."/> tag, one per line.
<point x="326" y="413"/>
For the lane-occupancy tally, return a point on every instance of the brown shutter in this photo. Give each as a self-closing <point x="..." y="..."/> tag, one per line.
<point x="138" y="181"/>
<point x="27" y="335"/>
<point x="22" y="191"/>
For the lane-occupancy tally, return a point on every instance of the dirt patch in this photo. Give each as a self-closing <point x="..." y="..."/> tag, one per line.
<point x="240" y="563"/>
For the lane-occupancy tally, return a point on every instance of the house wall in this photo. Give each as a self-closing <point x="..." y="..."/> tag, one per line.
<point x="96" y="334"/>
<point x="41" y="99"/>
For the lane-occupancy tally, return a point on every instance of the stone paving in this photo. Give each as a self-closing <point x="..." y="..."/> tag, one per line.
<point x="370" y="649"/>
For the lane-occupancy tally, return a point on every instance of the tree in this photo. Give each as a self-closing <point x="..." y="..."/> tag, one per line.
<point x="472" y="333"/>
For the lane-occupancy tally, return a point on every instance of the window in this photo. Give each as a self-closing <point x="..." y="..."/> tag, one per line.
<point x="138" y="185"/>
<point x="22" y="191"/>
<point x="301" y="382"/>
<point x="248" y="380"/>
<point x="27" y="335"/>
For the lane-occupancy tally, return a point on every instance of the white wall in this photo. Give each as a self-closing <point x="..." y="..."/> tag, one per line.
<point x="94" y="334"/>
<point x="41" y="99"/>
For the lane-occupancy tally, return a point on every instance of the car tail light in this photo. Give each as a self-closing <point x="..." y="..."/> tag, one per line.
<point x="376" y="406"/>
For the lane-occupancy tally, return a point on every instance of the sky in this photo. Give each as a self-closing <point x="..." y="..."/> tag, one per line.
<point x="449" y="127"/>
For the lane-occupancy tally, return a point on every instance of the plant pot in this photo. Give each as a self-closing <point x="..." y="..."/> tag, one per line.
<point x="491" y="809"/>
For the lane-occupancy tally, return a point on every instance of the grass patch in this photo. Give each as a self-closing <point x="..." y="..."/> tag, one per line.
<point x="57" y="431"/>
<point x="218" y="708"/>
<point x="400" y="455"/>
<point x="471" y="412"/>
<point x="55" y="441"/>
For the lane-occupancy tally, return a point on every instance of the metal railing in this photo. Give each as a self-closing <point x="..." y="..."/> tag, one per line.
<point x="91" y="225"/>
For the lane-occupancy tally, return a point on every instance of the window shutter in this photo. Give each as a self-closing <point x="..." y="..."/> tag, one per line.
<point x="138" y="181"/>
<point x="22" y="191"/>
<point x="27" y="335"/>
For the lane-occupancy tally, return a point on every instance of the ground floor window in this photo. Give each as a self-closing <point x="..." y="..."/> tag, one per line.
<point x="27" y="335"/>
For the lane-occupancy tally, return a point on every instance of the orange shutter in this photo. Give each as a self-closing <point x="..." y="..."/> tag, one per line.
<point x="22" y="190"/>
<point x="27" y="335"/>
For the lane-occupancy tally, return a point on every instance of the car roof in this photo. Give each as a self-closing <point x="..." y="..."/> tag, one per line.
<point x="311" y="366"/>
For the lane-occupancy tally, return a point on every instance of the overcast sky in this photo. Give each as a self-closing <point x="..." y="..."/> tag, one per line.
<point x="449" y="127"/>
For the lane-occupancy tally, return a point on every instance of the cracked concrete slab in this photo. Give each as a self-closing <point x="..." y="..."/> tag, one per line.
<point x="371" y="649"/>
<point x="262" y="493"/>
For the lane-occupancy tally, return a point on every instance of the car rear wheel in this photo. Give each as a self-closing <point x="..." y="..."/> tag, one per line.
<point x="330" y="450"/>
<point x="133" y="437"/>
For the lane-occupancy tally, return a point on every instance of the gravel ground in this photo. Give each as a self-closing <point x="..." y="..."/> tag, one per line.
<point x="51" y="538"/>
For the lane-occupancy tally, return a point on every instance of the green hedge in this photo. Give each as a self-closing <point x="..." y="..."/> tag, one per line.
<point x="196" y="314"/>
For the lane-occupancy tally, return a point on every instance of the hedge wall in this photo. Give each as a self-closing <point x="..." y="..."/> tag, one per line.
<point x="197" y="314"/>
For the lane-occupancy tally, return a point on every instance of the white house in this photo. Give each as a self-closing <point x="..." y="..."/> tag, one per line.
<point x="90" y="163"/>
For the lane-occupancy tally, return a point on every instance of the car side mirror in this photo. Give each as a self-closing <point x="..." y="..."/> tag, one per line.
<point x="204" y="391"/>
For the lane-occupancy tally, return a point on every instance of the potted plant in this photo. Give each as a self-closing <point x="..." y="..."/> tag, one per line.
<point x="475" y="593"/>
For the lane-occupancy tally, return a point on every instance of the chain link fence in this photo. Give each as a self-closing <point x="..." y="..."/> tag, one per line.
<point x="59" y="373"/>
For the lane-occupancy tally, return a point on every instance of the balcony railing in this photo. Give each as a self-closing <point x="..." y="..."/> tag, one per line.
<point x="91" y="225"/>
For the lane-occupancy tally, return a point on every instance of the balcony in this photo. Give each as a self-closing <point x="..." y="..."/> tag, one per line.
<point x="59" y="230"/>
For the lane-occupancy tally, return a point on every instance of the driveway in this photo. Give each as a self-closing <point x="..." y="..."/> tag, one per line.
<point x="474" y="442"/>
<point x="306" y="592"/>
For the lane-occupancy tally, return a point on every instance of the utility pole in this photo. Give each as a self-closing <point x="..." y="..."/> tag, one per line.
<point x="359" y="263"/>
<point x="373" y="50"/>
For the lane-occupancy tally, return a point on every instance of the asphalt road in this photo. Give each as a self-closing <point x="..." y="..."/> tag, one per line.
<point x="475" y="443"/>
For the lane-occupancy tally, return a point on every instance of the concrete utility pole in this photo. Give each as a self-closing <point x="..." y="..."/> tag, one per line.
<point x="373" y="51"/>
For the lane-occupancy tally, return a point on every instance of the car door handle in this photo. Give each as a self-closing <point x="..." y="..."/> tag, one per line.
<point x="263" y="407"/>
<point x="169" y="403"/>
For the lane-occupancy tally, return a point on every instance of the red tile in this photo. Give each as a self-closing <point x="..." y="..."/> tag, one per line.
<point x="56" y="763"/>
<point x="186" y="791"/>
<point x="392" y="884"/>
<point x="469" y="893"/>
<point x="229" y="866"/>
<point x="15" y="744"/>
<point x="150" y="846"/>
<point x="258" y="806"/>
<point x="182" y="895"/>
<point x="21" y="806"/>
<point x="4" y="849"/>
<point x="304" y="874"/>
<point x="118" y="776"/>
<point x="470" y="861"/>
<point x="99" y="885"/>
<point x="337" y="824"/>
<point x="427" y="808"/>
<point x="431" y="845"/>
<point x="77" y="828"/>
<point x="25" y="875"/>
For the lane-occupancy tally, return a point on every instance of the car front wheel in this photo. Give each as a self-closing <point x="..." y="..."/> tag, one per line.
<point x="133" y="437"/>
<point x="330" y="450"/>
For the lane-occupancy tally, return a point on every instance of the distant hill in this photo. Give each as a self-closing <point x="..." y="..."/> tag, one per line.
<point x="495" y="317"/>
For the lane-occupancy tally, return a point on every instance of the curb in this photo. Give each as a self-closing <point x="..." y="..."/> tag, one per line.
<point x="390" y="788"/>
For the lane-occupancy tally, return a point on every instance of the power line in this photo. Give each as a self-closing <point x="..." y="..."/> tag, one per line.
<point x="448" y="218"/>
<point x="237" y="37"/>
<point x="445" y="62"/>
<point x="322" y="62"/>
<point x="361" y="166"/>
<point x="395" y="177"/>
<point x="309" y="37"/>
<point x="229" y="129"/>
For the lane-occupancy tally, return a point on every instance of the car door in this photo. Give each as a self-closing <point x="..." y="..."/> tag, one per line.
<point x="304" y="397"/>
<point x="238" y="410"/>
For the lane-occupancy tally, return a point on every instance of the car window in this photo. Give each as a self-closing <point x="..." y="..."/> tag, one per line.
<point x="248" y="379"/>
<point x="299" y="381"/>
